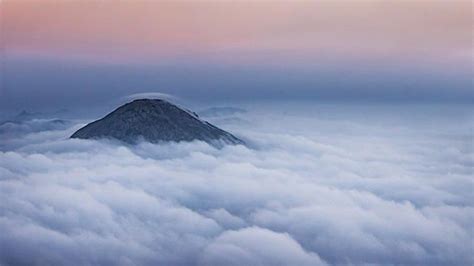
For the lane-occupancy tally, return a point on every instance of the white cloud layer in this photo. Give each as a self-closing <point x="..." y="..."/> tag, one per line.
<point x="313" y="188"/>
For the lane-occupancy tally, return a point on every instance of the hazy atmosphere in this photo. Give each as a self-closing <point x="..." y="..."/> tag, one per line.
<point x="236" y="133"/>
<point x="63" y="53"/>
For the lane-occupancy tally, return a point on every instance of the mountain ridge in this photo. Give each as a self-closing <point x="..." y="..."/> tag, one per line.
<point x="154" y="120"/>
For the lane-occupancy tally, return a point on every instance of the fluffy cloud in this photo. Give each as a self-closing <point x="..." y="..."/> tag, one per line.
<point x="256" y="246"/>
<point x="307" y="191"/>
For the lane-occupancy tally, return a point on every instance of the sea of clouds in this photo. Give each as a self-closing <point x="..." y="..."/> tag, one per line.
<point x="316" y="185"/>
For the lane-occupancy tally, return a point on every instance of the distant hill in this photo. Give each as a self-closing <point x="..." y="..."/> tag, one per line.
<point x="154" y="120"/>
<point x="221" y="111"/>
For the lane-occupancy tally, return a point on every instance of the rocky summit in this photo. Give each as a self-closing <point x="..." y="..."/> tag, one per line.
<point x="154" y="120"/>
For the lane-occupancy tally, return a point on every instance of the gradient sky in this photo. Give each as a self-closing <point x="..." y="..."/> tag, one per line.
<point x="75" y="52"/>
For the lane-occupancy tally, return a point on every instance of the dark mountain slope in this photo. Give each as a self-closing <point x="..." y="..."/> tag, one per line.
<point x="154" y="120"/>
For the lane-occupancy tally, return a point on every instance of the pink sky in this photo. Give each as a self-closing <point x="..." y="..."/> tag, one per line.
<point x="240" y="31"/>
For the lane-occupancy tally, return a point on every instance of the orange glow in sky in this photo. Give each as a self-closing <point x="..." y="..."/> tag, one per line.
<point x="426" y="31"/>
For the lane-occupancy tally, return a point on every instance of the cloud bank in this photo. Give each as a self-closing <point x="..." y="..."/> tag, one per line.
<point x="310" y="189"/>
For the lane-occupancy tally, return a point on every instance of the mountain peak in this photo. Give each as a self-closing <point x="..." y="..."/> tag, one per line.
<point x="154" y="120"/>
